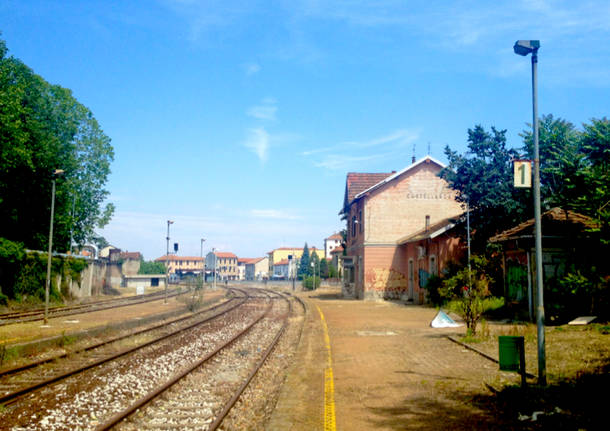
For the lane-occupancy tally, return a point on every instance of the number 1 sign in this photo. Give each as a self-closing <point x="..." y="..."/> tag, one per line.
<point x="522" y="173"/>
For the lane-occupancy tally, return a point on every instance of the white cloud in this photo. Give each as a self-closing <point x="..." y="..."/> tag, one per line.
<point x="265" y="111"/>
<point x="258" y="142"/>
<point x="335" y="157"/>
<point x="273" y="214"/>
<point x="251" y="68"/>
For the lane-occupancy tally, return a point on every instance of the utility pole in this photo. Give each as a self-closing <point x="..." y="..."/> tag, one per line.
<point x="167" y="262"/>
<point x="56" y="173"/>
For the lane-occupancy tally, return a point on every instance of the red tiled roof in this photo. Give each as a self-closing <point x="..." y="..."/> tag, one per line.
<point x="249" y="260"/>
<point x="358" y="182"/>
<point x="338" y="249"/>
<point x="281" y="262"/>
<point x="225" y="254"/>
<point x="554" y="214"/>
<point x="335" y="236"/>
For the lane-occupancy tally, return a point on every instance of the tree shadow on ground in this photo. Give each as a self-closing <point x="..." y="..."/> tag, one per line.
<point x="573" y="404"/>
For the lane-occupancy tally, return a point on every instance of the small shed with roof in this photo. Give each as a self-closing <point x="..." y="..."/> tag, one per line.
<point x="568" y="240"/>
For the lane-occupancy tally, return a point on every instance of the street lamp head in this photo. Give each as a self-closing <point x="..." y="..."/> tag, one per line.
<point x="170" y="222"/>
<point x="58" y="172"/>
<point x="524" y="47"/>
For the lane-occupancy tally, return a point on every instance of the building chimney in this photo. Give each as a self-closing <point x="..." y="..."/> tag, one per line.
<point x="427" y="223"/>
<point x="413" y="160"/>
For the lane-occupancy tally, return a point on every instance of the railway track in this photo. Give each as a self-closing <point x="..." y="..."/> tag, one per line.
<point x="224" y="344"/>
<point x="95" y="351"/>
<point x="202" y="396"/>
<point x="38" y="314"/>
<point x="18" y="382"/>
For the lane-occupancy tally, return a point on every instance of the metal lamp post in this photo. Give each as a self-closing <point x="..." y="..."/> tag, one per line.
<point x="167" y="261"/>
<point x="215" y="259"/>
<point x="525" y="47"/>
<point x="56" y="173"/>
<point x="202" y="264"/>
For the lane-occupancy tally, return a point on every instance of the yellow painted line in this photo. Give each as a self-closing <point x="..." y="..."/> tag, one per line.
<point x="329" y="383"/>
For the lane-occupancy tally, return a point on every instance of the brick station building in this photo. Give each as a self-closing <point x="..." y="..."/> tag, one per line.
<point x="388" y="215"/>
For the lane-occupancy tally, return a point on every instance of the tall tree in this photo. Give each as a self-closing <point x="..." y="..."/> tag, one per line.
<point x="563" y="165"/>
<point x="304" y="269"/>
<point x="595" y="142"/>
<point x="323" y="268"/>
<point x="483" y="179"/>
<point x="42" y="128"/>
<point x="314" y="266"/>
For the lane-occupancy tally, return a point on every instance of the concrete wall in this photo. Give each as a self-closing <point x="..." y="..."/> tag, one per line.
<point x="130" y="266"/>
<point x="91" y="281"/>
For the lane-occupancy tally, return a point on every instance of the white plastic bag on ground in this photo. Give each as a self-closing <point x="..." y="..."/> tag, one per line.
<point x="442" y="320"/>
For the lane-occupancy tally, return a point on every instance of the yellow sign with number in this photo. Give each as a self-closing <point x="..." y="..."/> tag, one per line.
<point x="522" y="173"/>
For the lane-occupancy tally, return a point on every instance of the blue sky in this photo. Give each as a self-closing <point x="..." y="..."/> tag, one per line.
<point x="240" y="120"/>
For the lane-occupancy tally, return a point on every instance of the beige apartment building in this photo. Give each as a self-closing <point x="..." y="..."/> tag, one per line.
<point x="223" y="264"/>
<point x="291" y="254"/>
<point x="182" y="265"/>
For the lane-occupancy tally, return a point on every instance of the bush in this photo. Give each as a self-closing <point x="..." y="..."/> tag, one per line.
<point x="434" y="286"/>
<point x="311" y="283"/>
<point x="468" y="291"/>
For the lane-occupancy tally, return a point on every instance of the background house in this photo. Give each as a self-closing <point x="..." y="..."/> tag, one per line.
<point x="257" y="268"/>
<point x="331" y="243"/>
<point x="182" y="265"/>
<point x="223" y="264"/>
<point x="293" y="254"/>
<point x="281" y="270"/>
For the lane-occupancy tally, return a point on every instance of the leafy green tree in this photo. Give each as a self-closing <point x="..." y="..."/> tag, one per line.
<point x="332" y="271"/>
<point x="151" y="267"/>
<point x="43" y="128"/>
<point x="483" y="179"/>
<point x="314" y="265"/>
<point x="304" y="269"/>
<point x="324" y="268"/>
<point x="563" y="165"/>
<point x="595" y="142"/>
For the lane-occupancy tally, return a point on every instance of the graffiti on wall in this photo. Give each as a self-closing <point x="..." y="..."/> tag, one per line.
<point x="386" y="280"/>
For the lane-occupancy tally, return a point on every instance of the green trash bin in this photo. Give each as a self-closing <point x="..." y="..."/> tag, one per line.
<point x="511" y="350"/>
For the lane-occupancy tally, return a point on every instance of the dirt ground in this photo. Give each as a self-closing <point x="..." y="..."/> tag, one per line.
<point x="392" y="371"/>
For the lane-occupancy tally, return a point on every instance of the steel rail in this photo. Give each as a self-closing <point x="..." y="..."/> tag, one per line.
<point x="118" y="417"/>
<point x="39" y="362"/>
<point x="70" y="312"/>
<point x="26" y="313"/>
<point x="229" y="405"/>
<point x="15" y="395"/>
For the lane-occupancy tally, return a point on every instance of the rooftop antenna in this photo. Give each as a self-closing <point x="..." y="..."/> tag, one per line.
<point x="428" y="147"/>
<point x="413" y="158"/>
